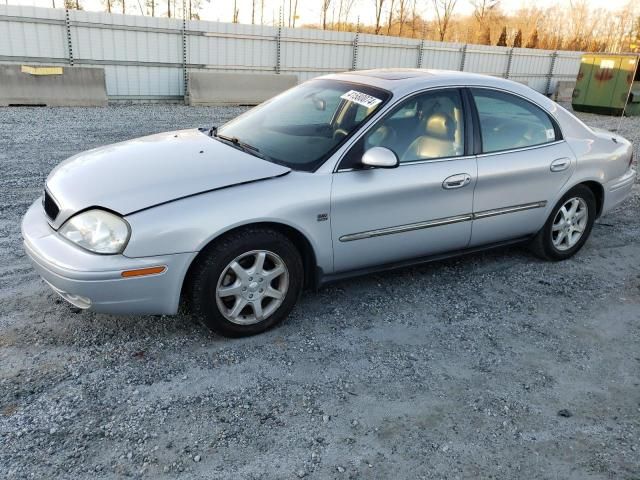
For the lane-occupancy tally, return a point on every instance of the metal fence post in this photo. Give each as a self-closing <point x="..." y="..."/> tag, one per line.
<point x="185" y="75"/>
<point x="354" y="57"/>
<point x="67" y="23"/>
<point x="547" y="88"/>
<point x="279" y="42"/>
<point x="464" y="57"/>
<point x="509" y="60"/>
<point x="420" y="53"/>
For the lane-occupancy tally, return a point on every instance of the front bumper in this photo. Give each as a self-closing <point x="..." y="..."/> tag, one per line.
<point x="94" y="281"/>
<point x="617" y="190"/>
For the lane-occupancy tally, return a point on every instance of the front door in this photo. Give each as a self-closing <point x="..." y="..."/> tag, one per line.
<point x="422" y="207"/>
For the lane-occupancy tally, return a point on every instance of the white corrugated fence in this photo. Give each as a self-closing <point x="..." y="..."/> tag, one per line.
<point x="148" y="57"/>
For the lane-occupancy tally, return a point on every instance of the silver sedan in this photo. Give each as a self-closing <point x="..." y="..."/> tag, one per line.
<point x="339" y="176"/>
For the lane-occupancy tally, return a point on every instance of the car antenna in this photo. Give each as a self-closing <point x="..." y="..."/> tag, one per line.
<point x="626" y="100"/>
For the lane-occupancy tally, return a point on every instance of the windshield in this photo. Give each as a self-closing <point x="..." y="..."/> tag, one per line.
<point x="303" y="126"/>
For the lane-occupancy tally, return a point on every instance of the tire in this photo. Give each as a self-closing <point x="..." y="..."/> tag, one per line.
<point x="549" y="243"/>
<point x="227" y="274"/>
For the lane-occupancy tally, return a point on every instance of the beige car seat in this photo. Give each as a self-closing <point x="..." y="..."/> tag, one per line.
<point x="438" y="140"/>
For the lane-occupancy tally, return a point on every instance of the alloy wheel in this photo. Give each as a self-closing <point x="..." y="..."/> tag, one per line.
<point x="569" y="224"/>
<point x="252" y="287"/>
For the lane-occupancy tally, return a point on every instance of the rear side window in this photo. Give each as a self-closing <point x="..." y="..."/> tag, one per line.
<point x="508" y="122"/>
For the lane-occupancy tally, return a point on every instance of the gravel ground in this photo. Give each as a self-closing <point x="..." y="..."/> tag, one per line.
<point x="495" y="365"/>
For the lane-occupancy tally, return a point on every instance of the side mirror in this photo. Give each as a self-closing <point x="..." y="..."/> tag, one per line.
<point x="380" y="157"/>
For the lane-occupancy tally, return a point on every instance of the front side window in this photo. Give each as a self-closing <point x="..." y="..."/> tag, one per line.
<point x="427" y="126"/>
<point x="303" y="126"/>
<point x="508" y="122"/>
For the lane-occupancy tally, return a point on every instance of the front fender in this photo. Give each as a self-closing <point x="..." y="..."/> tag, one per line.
<point x="297" y="200"/>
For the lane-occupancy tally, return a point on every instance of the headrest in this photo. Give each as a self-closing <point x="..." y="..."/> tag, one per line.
<point x="440" y="125"/>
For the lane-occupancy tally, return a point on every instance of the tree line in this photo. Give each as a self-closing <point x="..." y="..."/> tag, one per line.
<point x="572" y="26"/>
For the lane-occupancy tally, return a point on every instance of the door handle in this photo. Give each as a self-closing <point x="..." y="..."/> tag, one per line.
<point x="560" y="164"/>
<point x="456" y="181"/>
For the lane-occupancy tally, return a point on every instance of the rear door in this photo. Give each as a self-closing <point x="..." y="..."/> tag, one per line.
<point x="523" y="165"/>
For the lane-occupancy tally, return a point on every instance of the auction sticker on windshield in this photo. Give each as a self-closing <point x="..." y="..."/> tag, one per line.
<point x="361" y="98"/>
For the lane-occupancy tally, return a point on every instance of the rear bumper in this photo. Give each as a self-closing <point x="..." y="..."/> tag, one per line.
<point x="617" y="190"/>
<point x="94" y="281"/>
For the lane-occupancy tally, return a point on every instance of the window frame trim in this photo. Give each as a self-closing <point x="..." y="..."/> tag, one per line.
<point x="468" y="127"/>
<point x="477" y="124"/>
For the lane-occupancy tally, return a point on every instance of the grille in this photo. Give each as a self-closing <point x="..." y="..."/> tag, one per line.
<point x="50" y="207"/>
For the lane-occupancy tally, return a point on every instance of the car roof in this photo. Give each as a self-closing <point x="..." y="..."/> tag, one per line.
<point x="404" y="81"/>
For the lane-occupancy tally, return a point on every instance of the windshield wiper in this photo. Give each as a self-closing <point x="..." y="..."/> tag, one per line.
<point x="236" y="142"/>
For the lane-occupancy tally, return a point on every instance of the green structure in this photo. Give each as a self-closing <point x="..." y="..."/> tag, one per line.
<point x="606" y="83"/>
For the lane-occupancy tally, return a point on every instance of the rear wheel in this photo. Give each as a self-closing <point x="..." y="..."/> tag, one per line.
<point x="568" y="226"/>
<point x="247" y="282"/>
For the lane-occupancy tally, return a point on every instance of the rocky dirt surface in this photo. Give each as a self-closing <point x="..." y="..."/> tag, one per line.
<point x="494" y="365"/>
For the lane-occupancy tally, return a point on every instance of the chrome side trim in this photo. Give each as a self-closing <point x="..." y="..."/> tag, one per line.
<point x="441" y="221"/>
<point x="521" y="149"/>
<point x="406" y="228"/>
<point x="416" y="162"/>
<point x="515" y="208"/>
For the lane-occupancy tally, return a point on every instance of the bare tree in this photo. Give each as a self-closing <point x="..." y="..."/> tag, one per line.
<point x="324" y="8"/>
<point x="390" y="17"/>
<point x="345" y="7"/>
<point x="379" y="4"/>
<point x="403" y="13"/>
<point x="236" y="11"/>
<point x="485" y="36"/>
<point x="414" y="17"/>
<point x="482" y="9"/>
<point x="194" y="9"/>
<point x="444" y="11"/>
<point x="72" y="5"/>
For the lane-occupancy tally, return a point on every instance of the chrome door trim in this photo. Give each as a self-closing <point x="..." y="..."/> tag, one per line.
<point x="512" y="209"/>
<point x="521" y="149"/>
<point x="406" y="228"/>
<point x="441" y="221"/>
<point x="414" y="162"/>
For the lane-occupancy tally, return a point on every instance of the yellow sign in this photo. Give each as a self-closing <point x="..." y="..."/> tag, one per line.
<point x="41" y="70"/>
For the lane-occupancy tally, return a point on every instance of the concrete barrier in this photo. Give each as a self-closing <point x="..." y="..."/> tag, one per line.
<point x="52" y="86"/>
<point x="564" y="91"/>
<point x="212" y="88"/>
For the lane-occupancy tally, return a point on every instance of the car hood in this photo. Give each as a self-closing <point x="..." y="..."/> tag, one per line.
<point x="143" y="172"/>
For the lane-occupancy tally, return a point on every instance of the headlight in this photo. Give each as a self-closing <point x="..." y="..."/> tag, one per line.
<point x="98" y="231"/>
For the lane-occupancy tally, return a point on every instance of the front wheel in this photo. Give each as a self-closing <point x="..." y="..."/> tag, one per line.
<point x="568" y="226"/>
<point x="247" y="282"/>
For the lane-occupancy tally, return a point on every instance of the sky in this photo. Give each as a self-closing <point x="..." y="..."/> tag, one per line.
<point x="308" y="10"/>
